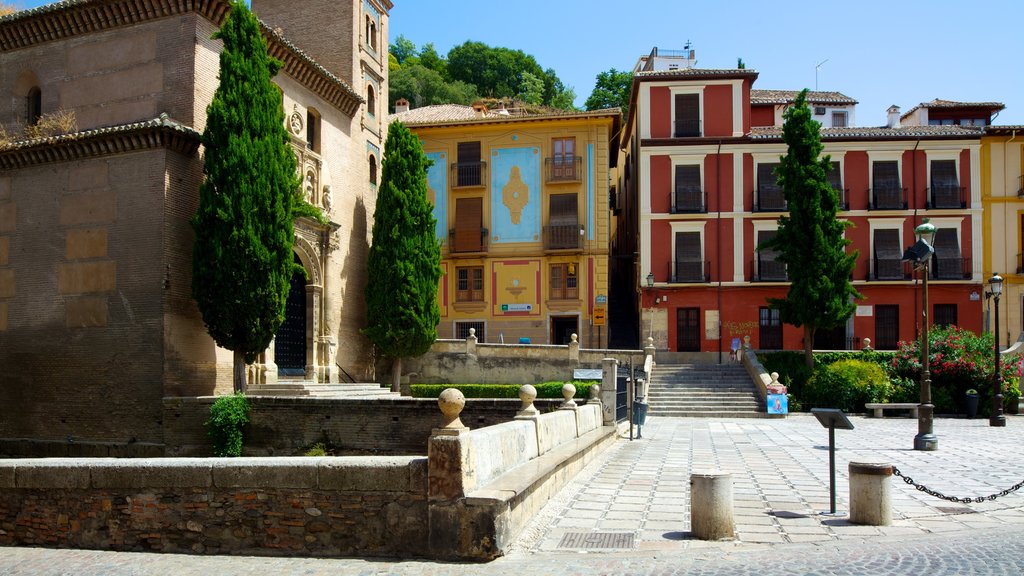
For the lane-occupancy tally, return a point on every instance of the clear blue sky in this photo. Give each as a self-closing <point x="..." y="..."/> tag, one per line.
<point x="880" y="53"/>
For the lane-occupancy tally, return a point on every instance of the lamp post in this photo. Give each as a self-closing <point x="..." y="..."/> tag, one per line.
<point x="997" y="418"/>
<point x="650" y="321"/>
<point x="920" y="254"/>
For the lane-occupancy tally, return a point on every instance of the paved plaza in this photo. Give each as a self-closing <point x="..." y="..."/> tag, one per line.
<point x="628" y="512"/>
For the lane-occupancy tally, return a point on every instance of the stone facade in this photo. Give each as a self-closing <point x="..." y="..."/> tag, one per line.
<point x="97" y="323"/>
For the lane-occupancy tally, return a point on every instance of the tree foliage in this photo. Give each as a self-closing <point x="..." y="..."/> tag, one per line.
<point x="611" y="90"/>
<point x="242" y="258"/>
<point x="422" y="86"/>
<point x="404" y="260"/>
<point x="810" y="239"/>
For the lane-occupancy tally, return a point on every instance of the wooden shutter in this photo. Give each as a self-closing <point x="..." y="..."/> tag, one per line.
<point x="886" y="175"/>
<point x="469" y="172"/>
<point x="468" y="224"/>
<point x="688" y="195"/>
<point x="888" y="265"/>
<point x="944" y="173"/>
<point x="687" y="115"/>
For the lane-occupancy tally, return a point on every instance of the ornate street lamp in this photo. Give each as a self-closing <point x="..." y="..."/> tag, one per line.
<point x="650" y="279"/>
<point x="920" y="254"/>
<point x="995" y="284"/>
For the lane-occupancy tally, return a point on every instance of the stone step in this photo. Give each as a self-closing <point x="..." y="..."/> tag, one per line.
<point x="707" y="414"/>
<point x="302" y="388"/>
<point x="706" y="391"/>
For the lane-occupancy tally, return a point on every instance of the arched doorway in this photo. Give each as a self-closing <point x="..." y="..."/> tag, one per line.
<point x="290" y="341"/>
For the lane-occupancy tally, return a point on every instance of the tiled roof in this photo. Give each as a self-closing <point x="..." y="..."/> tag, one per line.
<point x="697" y="72"/>
<point x="443" y="114"/>
<point x="1004" y="129"/>
<point x="939" y="103"/>
<point x="160" y="132"/>
<point x="775" y="132"/>
<point x="788" y="96"/>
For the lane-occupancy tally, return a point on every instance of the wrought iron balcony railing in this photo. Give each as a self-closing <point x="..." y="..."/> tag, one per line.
<point x="563" y="169"/>
<point x="563" y="237"/>
<point x="951" y="196"/>
<point x="469" y="174"/>
<point x="694" y="271"/>
<point x="950" y="268"/>
<point x="686" y="129"/>
<point x="463" y="240"/>
<point x="689" y="199"/>
<point x="769" y="270"/>
<point x="888" y="198"/>
<point x="770" y="199"/>
<point x="891" y="269"/>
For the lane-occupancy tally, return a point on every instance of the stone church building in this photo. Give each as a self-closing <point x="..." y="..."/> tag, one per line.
<point x="97" y="322"/>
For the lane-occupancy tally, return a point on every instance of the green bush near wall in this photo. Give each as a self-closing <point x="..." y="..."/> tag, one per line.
<point x="228" y="415"/>
<point x="544" y="390"/>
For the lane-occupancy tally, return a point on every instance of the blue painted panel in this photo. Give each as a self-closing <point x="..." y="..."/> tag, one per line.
<point x="590" y="191"/>
<point x="437" y="184"/>
<point x="515" y="195"/>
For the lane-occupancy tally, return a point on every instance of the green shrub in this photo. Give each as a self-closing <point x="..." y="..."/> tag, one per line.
<point x="317" y="449"/>
<point x="544" y="390"/>
<point x="848" y="385"/>
<point x="227" y="417"/>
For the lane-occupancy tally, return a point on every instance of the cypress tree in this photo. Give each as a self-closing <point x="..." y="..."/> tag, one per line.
<point x="810" y="240"/>
<point x="242" y="260"/>
<point x="404" y="259"/>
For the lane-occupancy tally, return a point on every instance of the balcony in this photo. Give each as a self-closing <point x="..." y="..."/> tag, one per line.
<point x="469" y="174"/>
<point x="946" y="196"/>
<point x="563" y="169"/>
<point x="770" y="199"/>
<point x="686" y="129"/>
<point x="689" y="199"/>
<point x="888" y="198"/>
<point x="563" y="237"/>
<point x="950" y="268"/>
<point x="685" y="271"/>
<point x="844" y="198"/>
<point x="467" y="240"/>
<point x="769" y="271"/>
<point x="891" y="269"/>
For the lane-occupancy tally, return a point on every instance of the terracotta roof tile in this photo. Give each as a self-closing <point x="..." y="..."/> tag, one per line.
<point x="773" y="132"/>
<point x="788" y="96"/>
<point x="939" y="103"/>
<point x="459" y="114"/>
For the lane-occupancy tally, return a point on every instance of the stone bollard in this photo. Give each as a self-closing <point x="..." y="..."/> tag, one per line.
<point x="711" y="505"/>
<point x="527" y="394"/>
<point x="870" y="493"/>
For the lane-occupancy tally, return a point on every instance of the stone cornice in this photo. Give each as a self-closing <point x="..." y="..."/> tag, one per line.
<point x="160" y="132"/>
<point x="72" y="18"/>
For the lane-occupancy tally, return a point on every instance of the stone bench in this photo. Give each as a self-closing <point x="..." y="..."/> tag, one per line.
<point x="878" y="407"/>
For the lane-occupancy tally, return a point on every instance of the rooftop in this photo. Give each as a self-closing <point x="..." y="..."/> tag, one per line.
<point x="789" y="96"/>
<point x="454" y="114"/>
<point x="939" y="103"/>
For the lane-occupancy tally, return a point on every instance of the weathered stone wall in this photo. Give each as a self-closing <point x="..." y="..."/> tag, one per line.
<point x="359" y="506"/>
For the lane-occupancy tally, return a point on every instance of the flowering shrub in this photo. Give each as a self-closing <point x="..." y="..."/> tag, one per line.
<point x="959" y="360"/>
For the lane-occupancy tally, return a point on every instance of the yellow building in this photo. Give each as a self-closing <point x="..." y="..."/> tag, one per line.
<point x="522" y="209"/>
<point x="1002" y="186"/>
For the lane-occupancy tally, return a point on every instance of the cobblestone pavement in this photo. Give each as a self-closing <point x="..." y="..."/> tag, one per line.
<point x="627" y="512"/>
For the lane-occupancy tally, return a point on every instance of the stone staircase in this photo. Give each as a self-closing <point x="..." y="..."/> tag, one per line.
<point x="703" y="390"/>
<point x="307" y="388"/>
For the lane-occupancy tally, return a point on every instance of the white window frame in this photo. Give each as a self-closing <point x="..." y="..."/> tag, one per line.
<point x="699" y="91"/>
<point x="882" y="224"/>
<point x="688" y="227"/>
<point x="932" y="155"/>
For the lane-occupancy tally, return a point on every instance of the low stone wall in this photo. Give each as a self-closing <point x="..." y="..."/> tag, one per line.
<point x="361" y="506"/>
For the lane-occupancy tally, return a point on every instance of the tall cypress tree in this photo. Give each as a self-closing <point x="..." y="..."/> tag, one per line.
<point x="242" y="260"/>
<point x="810" y="240"/>
<point x="404" y="260"/>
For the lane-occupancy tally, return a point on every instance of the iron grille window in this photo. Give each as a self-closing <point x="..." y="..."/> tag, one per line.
<point x="888" y="256"/>
<point x="688" y="329"/>
<point x="468" y="171"/>
<point x="769" y="193"/>
<point x="689" y="263"/>
<point x="688" y="195"/>
<point x="839" y="119"/>
<point x="944" y="315"/>
<point x="687" y="120"/>
<point x="469" y="284"/>
<point x="770" y="329"/>
<point x="945" y="187"/>
<point x="564" y="284"/>
<point x="885" y="183"/>
<point x="462" y="330"/>
<point x="887" y="326"/>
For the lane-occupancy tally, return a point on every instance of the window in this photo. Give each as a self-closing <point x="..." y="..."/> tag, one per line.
<point x="944" y="315"/>
<point x="689" y="264"/>
<point x="688" y="329"/>
<point x="371" y="33"/>
<point x="373" y="169"/>
<point x="563" y="229"/>
<point x="371" y="102"/>
<point x="468" y="167"/>
<point x="564" y="283"/>
<point x="468" y="234"/>
<point x="887" y="326"/>
<point x="462" y="330"/>
<point x="947" y="263"/>
<point x="34" y="106"/>
<point x="469" y="284"/>
<point x="563" y="160"/>
<point x="768" y="268"/>
<point x="687" y="195"/>
<point x="835" y="179"/>
<point x="945" y="187"/>
<point x="687" y="115"/>
<point x="888" y="255"/>
<point x="887" y="194"/>
<point x="769" y="329"/>
<point x="839" y="118"/>
<point x="313" y="130"/>
<point x="769" y="193"/>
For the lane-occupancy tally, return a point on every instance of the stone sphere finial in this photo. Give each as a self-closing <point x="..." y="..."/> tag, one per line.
<point x="595" y="392"/>
<point x="574" y="338"/>
<point x="867" y="344"/>
<point x="527" y="394"/>
<point x="775" y="379"/>
<point x="472" y="332"/>
<point x="568" y="391"/>
<point x="451" y="402"/>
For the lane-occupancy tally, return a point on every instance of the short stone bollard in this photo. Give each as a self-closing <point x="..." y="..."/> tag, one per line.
<point x="870" y="493"/>
<point x="711" y="515"/>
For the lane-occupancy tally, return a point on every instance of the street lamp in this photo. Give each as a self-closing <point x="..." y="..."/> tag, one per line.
<point x="650" y="321"/>
<point x="995" y="284"/>
<point x="920" y="254"/>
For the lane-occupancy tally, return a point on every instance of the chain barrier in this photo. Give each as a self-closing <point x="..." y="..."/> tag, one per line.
<point x="964" y="500"/>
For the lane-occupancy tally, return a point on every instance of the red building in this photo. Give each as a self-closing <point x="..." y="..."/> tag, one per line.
<point x="696" y="196"/>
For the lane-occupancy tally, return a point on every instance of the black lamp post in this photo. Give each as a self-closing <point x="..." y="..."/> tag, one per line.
<point x="920" y="254"/>
<point x="995" y="284"/>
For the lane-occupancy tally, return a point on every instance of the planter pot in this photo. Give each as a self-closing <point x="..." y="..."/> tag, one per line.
<point x="972" y="405"/>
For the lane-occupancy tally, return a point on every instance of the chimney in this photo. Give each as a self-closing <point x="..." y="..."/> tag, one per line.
<point x="480" y="108"/>
<point x="401" y="105"/>
<point x="894" y="117"/>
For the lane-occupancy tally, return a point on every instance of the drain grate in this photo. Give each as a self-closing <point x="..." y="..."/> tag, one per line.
<point x="954" y="510"/>
<point x="598" y="540"/>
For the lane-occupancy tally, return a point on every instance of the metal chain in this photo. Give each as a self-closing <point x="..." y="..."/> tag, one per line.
<point x="964" y="500"/>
